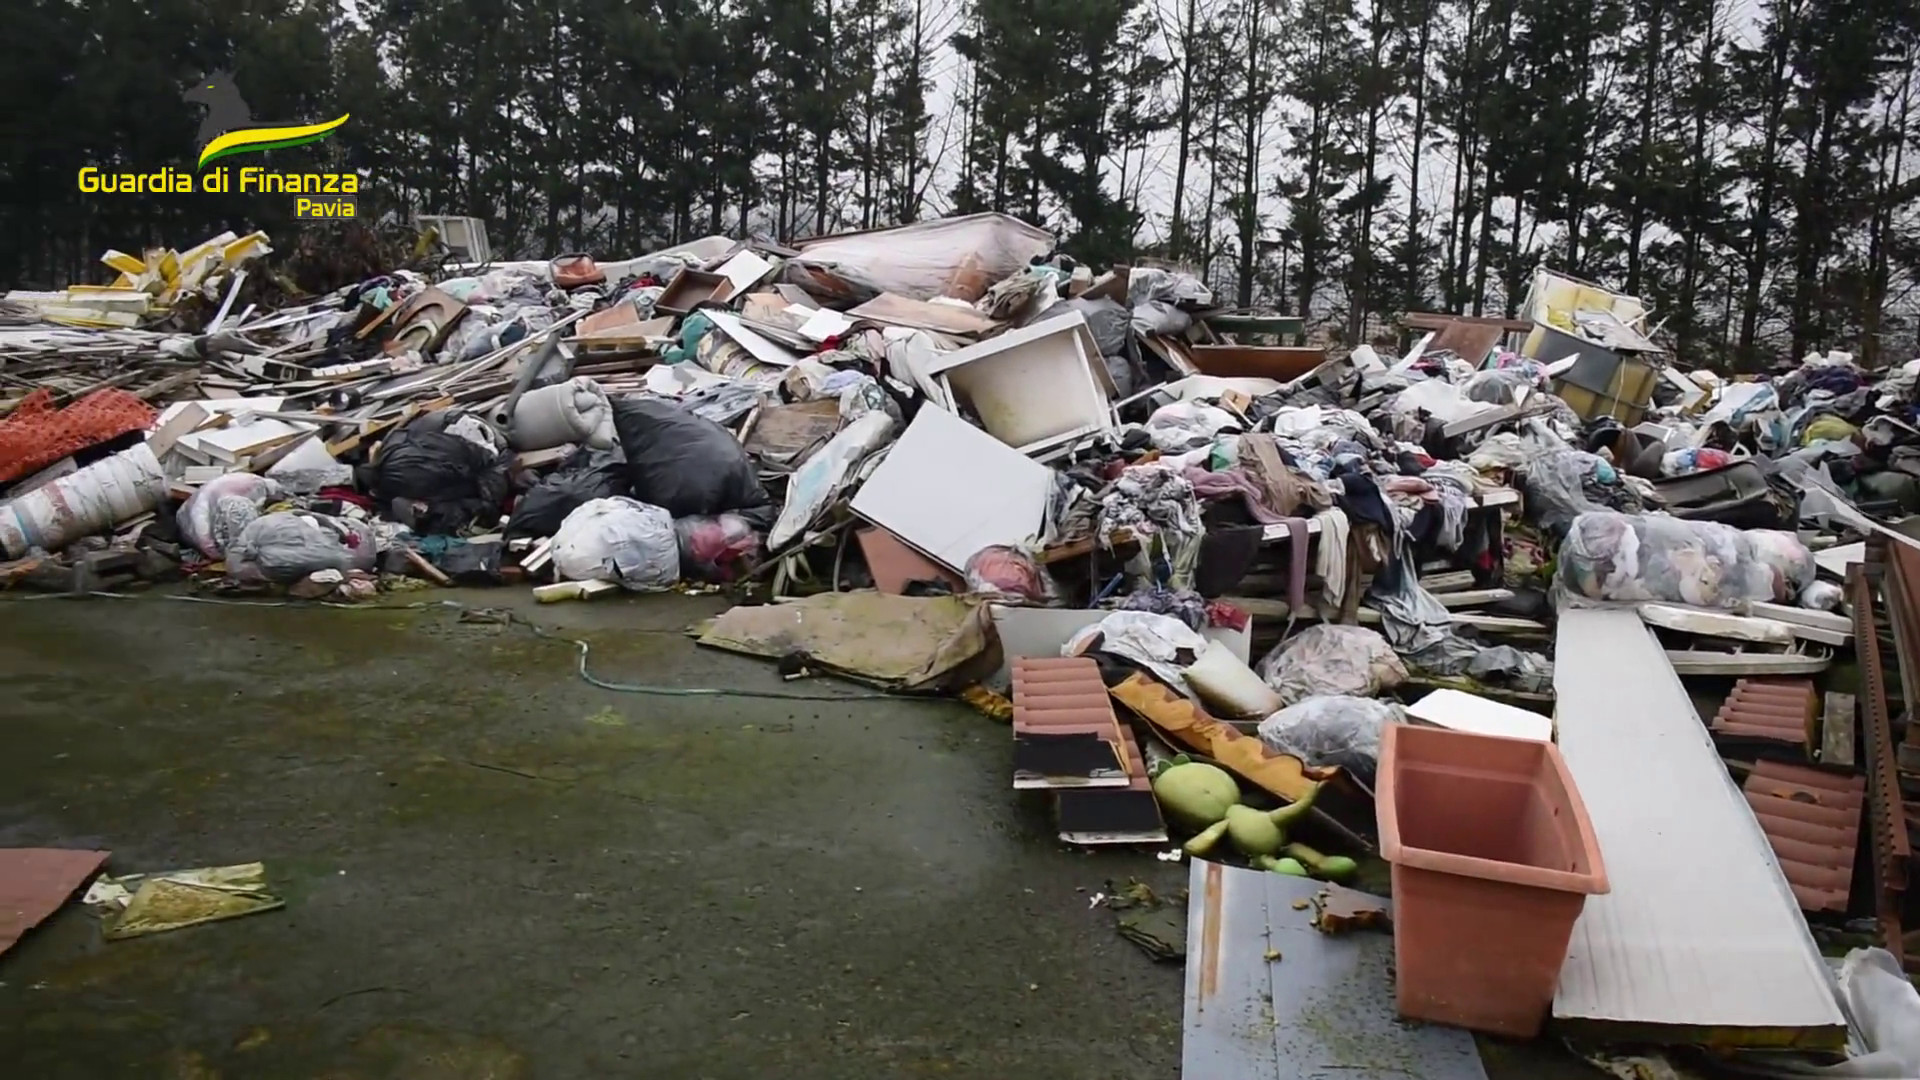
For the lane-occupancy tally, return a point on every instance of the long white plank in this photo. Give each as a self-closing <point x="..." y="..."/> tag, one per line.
<point x="1699" y="939"/>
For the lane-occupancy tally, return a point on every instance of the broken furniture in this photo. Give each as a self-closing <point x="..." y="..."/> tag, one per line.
<point x="949" y="489"/>
<point x="1037" y="389"/>
<point x="1612" y="371"/>
<point x="689" y="289"/>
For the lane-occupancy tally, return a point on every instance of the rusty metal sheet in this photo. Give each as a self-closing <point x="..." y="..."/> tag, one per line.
<point x="1812" y="819"/>
<point x="1776" y="710"/>
<point x="1885" y="814"/>
<point x="1271" y="998"/>
<point x="1903" y="611"/>
<point x="34" y="882"/>
<point x="1278" y="362"/>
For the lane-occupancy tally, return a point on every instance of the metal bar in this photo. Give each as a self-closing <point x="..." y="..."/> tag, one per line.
<point x="1886" y="815"/>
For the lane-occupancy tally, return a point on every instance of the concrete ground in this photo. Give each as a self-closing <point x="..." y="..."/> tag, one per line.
<point x="496" y="871"/>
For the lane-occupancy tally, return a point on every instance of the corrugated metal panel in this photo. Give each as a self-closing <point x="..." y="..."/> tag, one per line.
<point x="1700" y="939"/>
<point x="1778" y="710"/>
<point x="1269" y="996"/>
<point x="1812" y="819"/>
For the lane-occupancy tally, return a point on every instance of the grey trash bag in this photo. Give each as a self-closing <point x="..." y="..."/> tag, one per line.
<point x="621" y="540"/>
<point x="1555" y="486"/>
<point x="289" y="545"/>
<point x="1331" y="659"/>
<point x="1109" y="321"/>
<point x="1333" y="730"/>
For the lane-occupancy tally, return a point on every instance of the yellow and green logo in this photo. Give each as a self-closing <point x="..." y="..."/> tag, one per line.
<point x="229" y="127"/>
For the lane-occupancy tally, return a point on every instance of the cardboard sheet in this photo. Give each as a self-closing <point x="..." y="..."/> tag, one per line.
<point x="904" y="642"/>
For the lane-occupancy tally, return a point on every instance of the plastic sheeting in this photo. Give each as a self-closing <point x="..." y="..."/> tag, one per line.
<point x="1331" y="659"/>
<point x="1636" y="557"/>
<point x="585" y="475"/>
<point x="621" y="540"/>
<point x="1333" y="730"/>
<point x="1555" y="483"/>
<point x="288" y="546"/>
<point x="825" y="474"/>
<point x="956" y="256"/>
<point x="1010" y="575"/>
<point x="719" y="549"/>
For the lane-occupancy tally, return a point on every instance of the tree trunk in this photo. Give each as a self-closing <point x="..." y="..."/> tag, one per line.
<point x="1183" y="120"/>
<point x="1761" y="224"/>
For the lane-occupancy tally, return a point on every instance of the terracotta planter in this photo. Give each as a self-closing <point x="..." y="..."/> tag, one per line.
<point x="1493" y="857"/>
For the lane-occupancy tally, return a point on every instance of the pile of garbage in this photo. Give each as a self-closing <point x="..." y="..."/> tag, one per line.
<point x="961" y="461"/>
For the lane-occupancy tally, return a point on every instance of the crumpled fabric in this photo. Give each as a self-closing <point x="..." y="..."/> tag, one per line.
<point x="1504" y="450"/>
<point x="1156" y="503"/>
<point x="1227" y="483"/>
<point x="1183" y="604"/>
<point x="1422" y="632"/>
<point x="1330" y="555"/>
<point x="1289" y="491"/>
<point x="1162" y="644"/>
<point x="1186" y="425"/>
<point x="1331" y="658"/>
<point x="1453" y="485"/>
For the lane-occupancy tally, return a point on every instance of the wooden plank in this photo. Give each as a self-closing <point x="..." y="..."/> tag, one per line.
<point x="1473" y="597"/>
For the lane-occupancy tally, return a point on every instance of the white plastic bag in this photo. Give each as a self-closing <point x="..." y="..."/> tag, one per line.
<point x="1228" y="686"/>
<point x="1332" y="730"/>
<point x="214" y="516"/>
<point x="1331" y="659"/>
<point x="620" y="540"/>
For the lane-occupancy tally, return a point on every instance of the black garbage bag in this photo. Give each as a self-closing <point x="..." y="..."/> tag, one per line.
<point x="687" y="464"/>
<point x="585" y="475"/>
<point x="458" y="480"/>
